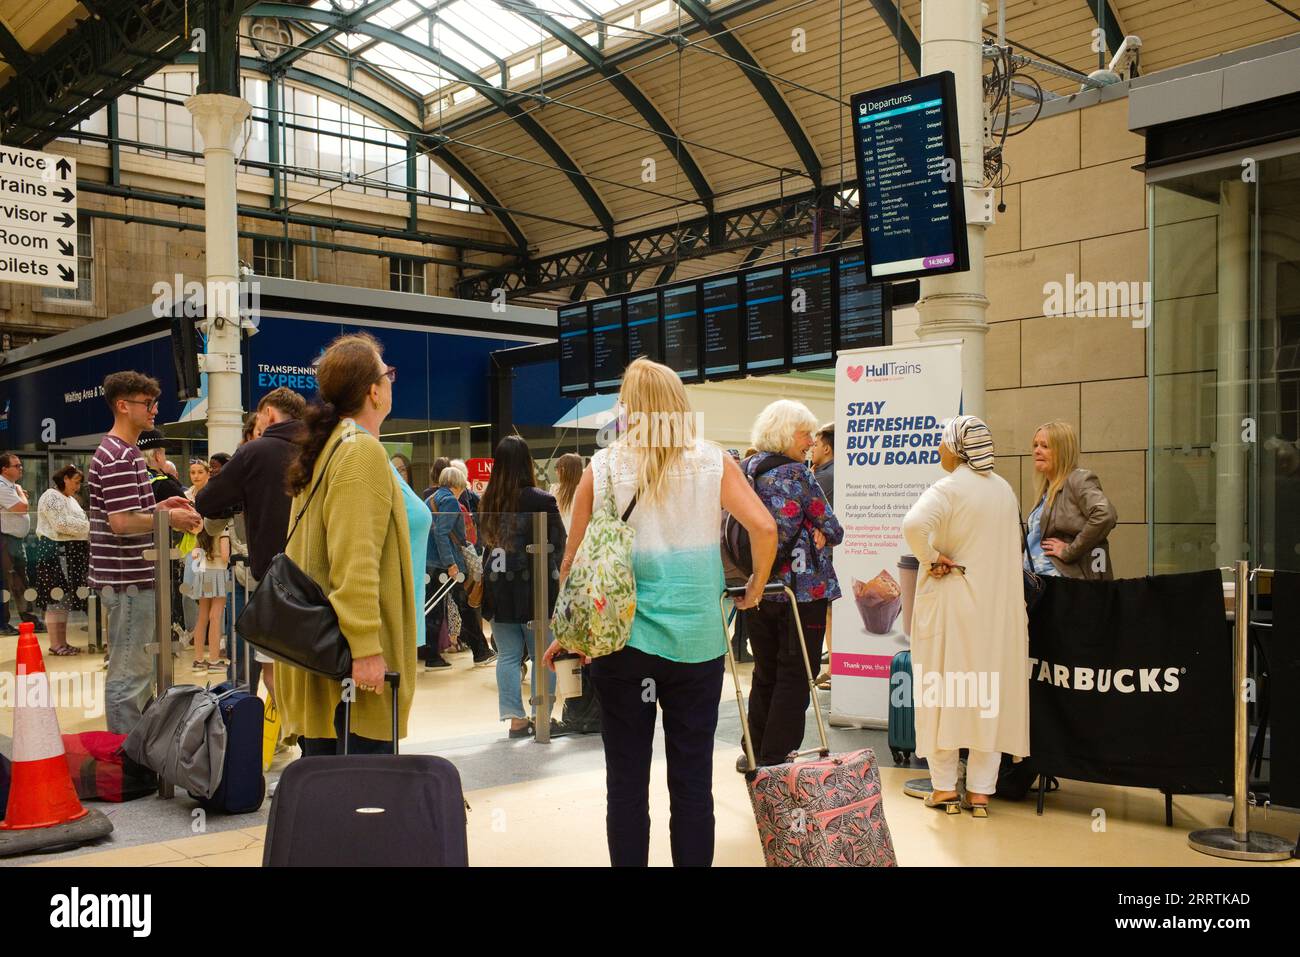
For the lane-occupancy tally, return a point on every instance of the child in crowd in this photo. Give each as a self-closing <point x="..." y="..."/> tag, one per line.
<point x="207" y="582"/>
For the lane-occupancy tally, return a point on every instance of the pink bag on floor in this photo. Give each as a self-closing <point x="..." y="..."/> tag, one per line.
<point x="824" y="813"/>
<point x="828" y="812"/>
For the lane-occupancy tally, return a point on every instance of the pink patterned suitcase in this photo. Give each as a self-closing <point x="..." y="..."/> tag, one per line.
<point x="823" y="813"/>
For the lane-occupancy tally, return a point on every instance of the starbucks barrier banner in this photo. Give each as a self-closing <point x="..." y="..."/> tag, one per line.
<point x="890" y="405"/>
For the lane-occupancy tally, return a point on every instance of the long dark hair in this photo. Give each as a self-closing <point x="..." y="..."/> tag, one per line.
<point x="344" y="375"/>
<point x="512" y="472"/>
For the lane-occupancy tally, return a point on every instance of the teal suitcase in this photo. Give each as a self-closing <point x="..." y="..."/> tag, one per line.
<point x="902" y="716"/>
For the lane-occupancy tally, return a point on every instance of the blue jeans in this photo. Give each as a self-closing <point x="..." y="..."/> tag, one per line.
<point x="131" y="620"/>
<point x="514" y="644"/>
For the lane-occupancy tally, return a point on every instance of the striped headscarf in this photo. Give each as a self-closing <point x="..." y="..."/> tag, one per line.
<point x="970" y="438"/>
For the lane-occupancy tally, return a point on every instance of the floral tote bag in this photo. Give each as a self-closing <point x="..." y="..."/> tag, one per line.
<point x="596" y="604"/>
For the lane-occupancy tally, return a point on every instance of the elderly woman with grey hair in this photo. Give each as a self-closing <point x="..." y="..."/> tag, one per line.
<point x="805" y="527"/>
<point x="970" y="633"/>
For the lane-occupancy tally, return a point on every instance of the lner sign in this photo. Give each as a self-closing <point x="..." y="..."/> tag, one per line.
<point x="38" y="218"/>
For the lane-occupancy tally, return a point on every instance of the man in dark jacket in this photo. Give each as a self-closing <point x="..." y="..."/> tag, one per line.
<point x="253" y="482"/>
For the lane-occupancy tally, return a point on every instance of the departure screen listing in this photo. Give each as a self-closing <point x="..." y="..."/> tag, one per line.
<point x="765" y="318"/>
<point x="811" y="309"/>
<point x="608" y="359"/>
<point x="915" y="217"/>
<point x="721" y="325"/>
<point x="862" y="311"/>
<point x="682" y="330"/>
<point x="575" y="365"/>
<point x="643" y="326"/>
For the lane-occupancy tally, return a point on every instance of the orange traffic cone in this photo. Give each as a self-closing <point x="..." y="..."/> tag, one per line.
<point x="40" y="791"/>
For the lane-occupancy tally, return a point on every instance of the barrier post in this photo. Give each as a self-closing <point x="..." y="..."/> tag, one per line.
<point x="94" y="629"/>
<point x="1239" y="842"/>
<point x="541" y="700"/>
<point x="161" y="553"/>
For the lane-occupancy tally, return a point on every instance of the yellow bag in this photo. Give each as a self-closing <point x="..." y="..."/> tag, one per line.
<point x="270" y="732"/>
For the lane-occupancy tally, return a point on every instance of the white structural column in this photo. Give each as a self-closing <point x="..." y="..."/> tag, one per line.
<point x="219" y="119"/>
<point x="953" y="306"/>
<point x="1233" y="382"/>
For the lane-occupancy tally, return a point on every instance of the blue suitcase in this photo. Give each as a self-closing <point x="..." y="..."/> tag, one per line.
<point x="902" y="716"/>
<point x="243" y="786"/>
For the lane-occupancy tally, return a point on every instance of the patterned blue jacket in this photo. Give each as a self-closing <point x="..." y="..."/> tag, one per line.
<point x="796" y="501"/>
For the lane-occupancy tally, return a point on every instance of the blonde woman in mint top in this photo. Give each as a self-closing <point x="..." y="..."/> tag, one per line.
<point x="673" y="659"/>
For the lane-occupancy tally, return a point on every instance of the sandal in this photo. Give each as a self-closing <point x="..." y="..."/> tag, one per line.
<point x="64" y="651"/>
<point x="950" y="806"/>
<point x="976" y="810"/>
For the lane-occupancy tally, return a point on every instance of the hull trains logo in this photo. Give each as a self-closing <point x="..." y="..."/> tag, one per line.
<point x="1123" y="680"/>
<point x="881" y="370"/>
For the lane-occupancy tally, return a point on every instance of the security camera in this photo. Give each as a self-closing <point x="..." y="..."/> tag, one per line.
<point x="1121" y="65"/>
<point x="1126" y="57"/>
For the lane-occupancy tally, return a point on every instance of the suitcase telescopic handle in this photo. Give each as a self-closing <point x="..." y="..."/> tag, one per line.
<point x="769" y="589"/>
<point x="394" y="680"/>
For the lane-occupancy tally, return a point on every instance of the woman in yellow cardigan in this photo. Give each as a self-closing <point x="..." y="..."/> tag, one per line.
<point x="354" y="535"/>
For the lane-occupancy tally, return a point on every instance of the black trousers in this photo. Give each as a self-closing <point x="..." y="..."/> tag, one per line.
<point x="778" y="695"/>
<point x="630" y="684"/>
<point x="315" y="747"/>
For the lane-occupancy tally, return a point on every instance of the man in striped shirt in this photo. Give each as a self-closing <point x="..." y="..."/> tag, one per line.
<point x="121" y="528"/>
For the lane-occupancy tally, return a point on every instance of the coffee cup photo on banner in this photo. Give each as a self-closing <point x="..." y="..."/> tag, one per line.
<point x="890" y="406"/>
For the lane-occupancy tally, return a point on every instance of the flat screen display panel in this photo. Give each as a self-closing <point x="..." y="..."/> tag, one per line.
<point x="764" y="319"/>
<point x="575" y="349"/>
<point x="643" y="327"/>
<point x="682" y="330"/>
<point x="812" y="311"/>
<point x="909" y="178"/>
<point x="608" y="349"/>
<point x="721" y="312"/>
<point x="862" y="305"/>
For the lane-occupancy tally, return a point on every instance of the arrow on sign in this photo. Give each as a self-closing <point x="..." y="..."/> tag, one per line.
<point x="65" y="247"/>
<point x="65" y="194"/>
<point x="65" y="219"/>
<point x="64" y="168"/>
<point x="66" y="274"/>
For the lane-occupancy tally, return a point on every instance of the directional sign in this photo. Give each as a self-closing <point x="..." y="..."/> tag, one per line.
<point x="38" y="218"/>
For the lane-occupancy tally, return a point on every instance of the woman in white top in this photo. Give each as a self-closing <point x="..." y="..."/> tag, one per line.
<point x="568" y="472"/>
<point x="674" y="657"/>
<point x="61" y="554"/>
<point x="970" y="633"/>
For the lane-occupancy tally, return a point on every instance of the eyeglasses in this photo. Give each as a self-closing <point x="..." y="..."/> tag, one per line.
<point x="150" y="404"/>
<point x="390" y="373"/>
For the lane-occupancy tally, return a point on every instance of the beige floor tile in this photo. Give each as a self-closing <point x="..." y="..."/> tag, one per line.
<point x="246" y="857"/>
<point x="141" y="855"/>
<point x="216" y="842"/>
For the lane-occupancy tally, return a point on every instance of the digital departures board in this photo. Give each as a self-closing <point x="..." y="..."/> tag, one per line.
<point x="795" y="314"/>
<point x="910" y="189"/>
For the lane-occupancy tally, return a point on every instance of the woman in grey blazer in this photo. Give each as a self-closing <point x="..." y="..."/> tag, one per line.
<point x="1066" y="531"/>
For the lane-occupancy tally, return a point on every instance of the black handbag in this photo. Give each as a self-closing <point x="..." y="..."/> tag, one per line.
<point x="289" y="617"/>
<point x="1034" y="584"/>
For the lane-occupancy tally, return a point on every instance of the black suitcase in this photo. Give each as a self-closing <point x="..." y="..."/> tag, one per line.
<point x="243" y="786"/>
<point x="368" y="810"/>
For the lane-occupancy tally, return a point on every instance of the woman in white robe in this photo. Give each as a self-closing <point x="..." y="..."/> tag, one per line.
<point x="970" y="637"/>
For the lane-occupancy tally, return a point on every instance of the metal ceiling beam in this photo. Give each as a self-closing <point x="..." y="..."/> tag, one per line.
<point x="402" y="124"/>
<point x="628" y="53"/>
<point x="463" y="73"/>
<point x="889" y="15"/>
<point x="629" y="90"/>
<point x="12" y="51"/>
<point x="93" y="64"/>
<point x="605" y="263"/>
<point x="289" y="57"/>
<point x="1104" y="14"/>
<point x="781" y="111"/>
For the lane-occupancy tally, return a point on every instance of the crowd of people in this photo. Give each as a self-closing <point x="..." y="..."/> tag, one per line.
<point x="412" y="574"/>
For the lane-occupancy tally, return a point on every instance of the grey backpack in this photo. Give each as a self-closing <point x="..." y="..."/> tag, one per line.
<point x="182" y="737"/>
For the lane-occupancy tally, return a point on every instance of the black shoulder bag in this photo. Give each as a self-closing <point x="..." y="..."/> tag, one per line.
<point x="1034" y="583"/>
<point x="289" y="617"/>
